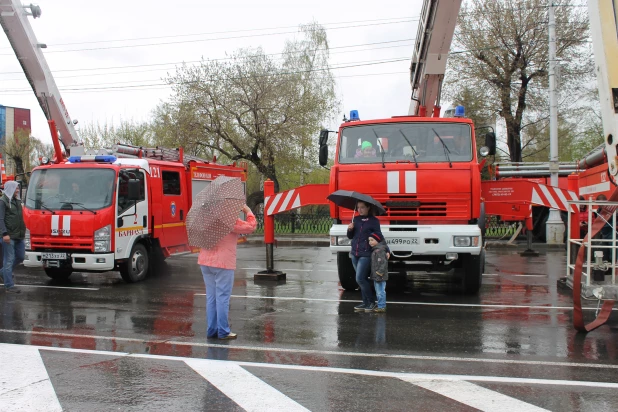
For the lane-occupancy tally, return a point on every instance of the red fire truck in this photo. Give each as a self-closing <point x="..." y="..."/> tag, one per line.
<point x="422" y="168"/>
<point x="426" y="174"/>
<point x="112" y="212"/>
<point x="111" y="209"/>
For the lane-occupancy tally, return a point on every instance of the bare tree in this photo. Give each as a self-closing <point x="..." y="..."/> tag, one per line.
<point x="97" y="136"/>
<point x="258" y="108"/>
<point x="502" y="52"/>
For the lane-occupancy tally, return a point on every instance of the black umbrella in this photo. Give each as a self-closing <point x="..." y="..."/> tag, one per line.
<point x="348" y="200"/>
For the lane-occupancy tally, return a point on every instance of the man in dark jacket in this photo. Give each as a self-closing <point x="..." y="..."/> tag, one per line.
<point x="379" y="269"/>
<point x="13" y="233"/>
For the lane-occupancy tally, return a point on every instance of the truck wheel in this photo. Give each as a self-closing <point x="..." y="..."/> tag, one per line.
<point x="473" y="267"/>
<point x="347" y="274"/>
<point x="136" y="267"/>
<point x="58" y="274"/>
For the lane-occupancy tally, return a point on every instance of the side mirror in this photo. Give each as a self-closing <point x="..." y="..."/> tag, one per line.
<point x="134" y="189"/>
<point x="323" y="137"/>
<point x="323" y="155"/>
<point x="120" y="222"/>
<point x="490" y="142"/>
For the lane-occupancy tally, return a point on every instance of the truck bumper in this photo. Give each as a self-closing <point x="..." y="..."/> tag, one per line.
<point x="414" y="240"/>
<point x="79" y="261"/>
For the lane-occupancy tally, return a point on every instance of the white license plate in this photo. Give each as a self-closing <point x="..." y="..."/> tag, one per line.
<point x="47" y="256"/>
<point x="402" y="241"/>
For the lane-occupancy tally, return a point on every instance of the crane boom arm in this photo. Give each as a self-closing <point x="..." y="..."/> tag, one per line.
<point x="603" y="16"/>
<point x="433" y="42"/>
<point x="14" y="22"/>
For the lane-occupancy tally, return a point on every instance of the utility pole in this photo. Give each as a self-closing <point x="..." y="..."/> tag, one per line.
<point x="555" y="226"/>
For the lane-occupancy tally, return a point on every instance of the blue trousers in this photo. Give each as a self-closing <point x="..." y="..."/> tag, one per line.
<point x="219" y="284"/>
<point x="362" y="266"/>
<point x="13" y="254"/>
<point x="380" y="292"/>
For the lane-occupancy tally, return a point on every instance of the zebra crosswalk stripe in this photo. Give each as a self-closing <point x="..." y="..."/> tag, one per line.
<point x="475" y="396"/>
<point x="244" y="388"/>
<point x="24" y="382"/>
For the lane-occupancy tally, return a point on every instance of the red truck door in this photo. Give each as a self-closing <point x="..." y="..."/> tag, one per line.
<point x="174" y="208"/>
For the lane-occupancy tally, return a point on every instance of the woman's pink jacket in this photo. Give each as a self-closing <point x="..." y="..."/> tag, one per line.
<point x="223" y="255"/>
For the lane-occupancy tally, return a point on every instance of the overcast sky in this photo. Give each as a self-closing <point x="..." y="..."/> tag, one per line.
<point x="92" y="43"/>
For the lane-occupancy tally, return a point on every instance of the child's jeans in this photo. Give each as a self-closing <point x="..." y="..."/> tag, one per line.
<point x="380" y="293"/>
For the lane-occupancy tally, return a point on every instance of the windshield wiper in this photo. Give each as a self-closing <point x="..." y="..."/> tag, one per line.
<point x="414" y="154"/>
<point x="81" y="205"/>
<point x="446" y="151"/>
<point x="42" y="205"/>
<point x="381" y="148"/>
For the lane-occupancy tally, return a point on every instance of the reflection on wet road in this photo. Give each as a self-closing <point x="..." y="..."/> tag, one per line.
<point x="302" y="342"/>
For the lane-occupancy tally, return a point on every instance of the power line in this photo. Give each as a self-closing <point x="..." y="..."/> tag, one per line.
<point x="212" y="39"/>
<point x="348" y="64"/>
<point x="160" y="87"/>
<point x="385" y="20"/>
<point x="371" y="63"/>
<point x="229" y="58"/>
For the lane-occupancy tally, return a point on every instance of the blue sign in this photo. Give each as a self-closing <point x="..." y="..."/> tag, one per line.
<point x="173" y="209"/>
<point x="2" y="124"/>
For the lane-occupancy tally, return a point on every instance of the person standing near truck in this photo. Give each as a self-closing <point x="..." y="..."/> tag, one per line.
<point x="359" y="230"/>
<point x="13" y="231"/>
<point x="379" y="269"/>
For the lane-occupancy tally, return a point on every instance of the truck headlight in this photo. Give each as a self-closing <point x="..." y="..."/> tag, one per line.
<point x="465" y="241"/>
<point x="102" y="239"/>
<point x="27" y="243"/>
<point x="343" y="241"/>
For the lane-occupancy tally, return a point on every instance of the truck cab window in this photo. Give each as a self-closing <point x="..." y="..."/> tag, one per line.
<point x="123" y="188"/>
<point x="171" y="183"/>
<point x="58" y="189"/>
<point x="406" y="142"/>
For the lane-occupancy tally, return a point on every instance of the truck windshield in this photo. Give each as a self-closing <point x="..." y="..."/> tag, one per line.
<point x="392" y="142"/>
<point x="55" y="189"/>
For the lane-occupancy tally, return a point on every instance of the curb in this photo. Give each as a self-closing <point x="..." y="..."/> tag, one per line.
<point x="291" y="242"/>
<point x="517" y="246"/>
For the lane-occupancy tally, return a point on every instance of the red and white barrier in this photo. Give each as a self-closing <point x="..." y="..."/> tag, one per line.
<point x="294" y="198"/>
<point x="553" y="197"/>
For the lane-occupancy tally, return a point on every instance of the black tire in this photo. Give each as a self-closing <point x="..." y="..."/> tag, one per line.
<point x="156" y="256"/>
<point x="136" y="267"/>
<point x="473" y="268"/>
<point x="58" y="274"/>
<point x="347" y="274"/>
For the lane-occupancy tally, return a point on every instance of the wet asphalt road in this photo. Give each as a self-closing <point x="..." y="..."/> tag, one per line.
<point x="301" y="345"/>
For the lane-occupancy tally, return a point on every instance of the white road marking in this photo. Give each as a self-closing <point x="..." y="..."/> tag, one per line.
<point x="51" y="287"/>
<point x="468" y="305"/>
<point x="314" y="351"/>
<point x="24" y="382"/>
<point x="514" y="274"/>
<point x="244" y="388"/>
<point x="475" y="396"/>
<point x="398" y="375"/>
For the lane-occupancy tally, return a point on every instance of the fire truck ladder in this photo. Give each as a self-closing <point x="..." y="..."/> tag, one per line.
<point x="159" y="153"/>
